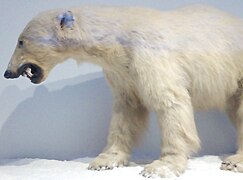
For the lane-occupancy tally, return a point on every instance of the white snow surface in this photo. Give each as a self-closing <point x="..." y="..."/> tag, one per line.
<point x="206" y="167"/>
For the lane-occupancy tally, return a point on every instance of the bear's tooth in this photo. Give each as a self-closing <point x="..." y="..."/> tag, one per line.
<point x="28" y="71"/>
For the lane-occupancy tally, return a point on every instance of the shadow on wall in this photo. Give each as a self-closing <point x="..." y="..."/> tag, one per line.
<point x="73" y="122"/>
<point x="63" y="124"/>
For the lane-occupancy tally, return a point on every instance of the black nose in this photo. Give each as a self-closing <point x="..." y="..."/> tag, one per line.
<point x="10" y="75"/>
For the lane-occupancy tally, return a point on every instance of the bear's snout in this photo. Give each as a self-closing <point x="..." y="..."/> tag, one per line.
<point x="10" y="75"/>
<point x="29" y="70"/>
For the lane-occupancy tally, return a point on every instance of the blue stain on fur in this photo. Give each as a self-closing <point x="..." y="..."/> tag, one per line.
<point x="66" y="19"/>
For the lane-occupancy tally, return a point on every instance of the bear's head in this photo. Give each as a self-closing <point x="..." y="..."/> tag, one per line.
<point x="43" y="44"/>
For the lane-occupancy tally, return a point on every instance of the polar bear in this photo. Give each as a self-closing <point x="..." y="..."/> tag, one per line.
<point x="171" y="62"/>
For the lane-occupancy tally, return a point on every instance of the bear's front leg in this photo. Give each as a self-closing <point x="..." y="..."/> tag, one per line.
<point x="128" y="121"/>
<point x="178" y="135"/>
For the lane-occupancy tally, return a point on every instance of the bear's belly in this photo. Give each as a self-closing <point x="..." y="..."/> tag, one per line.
<point x="212" y="94"/>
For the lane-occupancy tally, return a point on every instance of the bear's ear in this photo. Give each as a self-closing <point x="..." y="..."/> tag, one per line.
<point x="66" y="19"/>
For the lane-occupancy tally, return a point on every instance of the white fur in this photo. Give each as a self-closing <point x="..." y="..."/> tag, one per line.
<point x="169" y="62"/>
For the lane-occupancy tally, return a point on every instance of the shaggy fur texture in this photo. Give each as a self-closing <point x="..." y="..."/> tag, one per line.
<point x="168" y="62"/>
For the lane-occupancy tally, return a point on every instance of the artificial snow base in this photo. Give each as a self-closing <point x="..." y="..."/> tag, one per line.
<point x="206" y="167"/>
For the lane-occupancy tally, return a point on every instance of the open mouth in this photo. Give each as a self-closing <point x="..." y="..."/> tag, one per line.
<point x="31" y="71"/>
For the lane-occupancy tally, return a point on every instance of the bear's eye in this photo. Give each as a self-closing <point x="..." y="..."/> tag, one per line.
<point x="20" y="44"/>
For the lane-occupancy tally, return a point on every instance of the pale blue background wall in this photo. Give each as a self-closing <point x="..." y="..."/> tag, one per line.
<point x="68" y="116"/>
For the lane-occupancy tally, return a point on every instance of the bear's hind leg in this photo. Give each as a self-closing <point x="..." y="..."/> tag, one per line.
<point x="235" y="112"/>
